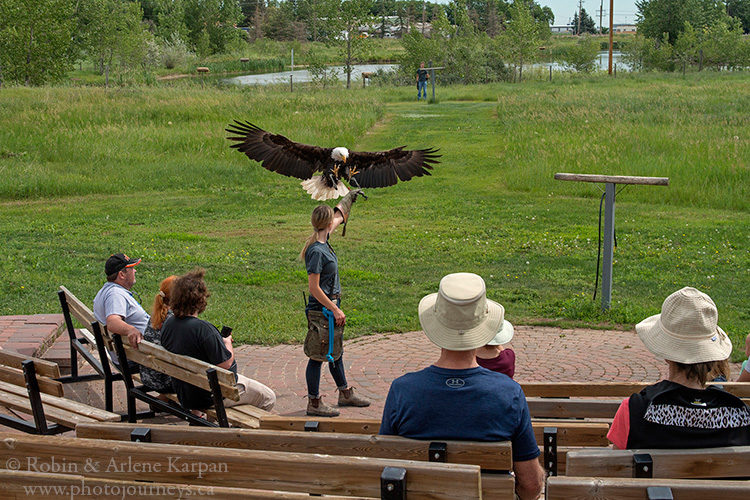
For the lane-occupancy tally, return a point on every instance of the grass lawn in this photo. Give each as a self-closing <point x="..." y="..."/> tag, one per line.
<point x="87" y="172"/>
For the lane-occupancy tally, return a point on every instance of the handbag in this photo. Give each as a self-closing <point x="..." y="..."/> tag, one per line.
<point x="316" y="345"/>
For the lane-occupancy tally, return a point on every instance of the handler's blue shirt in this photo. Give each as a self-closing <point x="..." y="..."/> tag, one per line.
<point x="475" y="404"/>
<point x="321" y="259"/>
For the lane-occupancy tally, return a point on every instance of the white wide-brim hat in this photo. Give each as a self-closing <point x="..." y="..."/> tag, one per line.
<point x="686" y="331"/>
<point x="460" y="317"/>
<point x="505" y="334"/>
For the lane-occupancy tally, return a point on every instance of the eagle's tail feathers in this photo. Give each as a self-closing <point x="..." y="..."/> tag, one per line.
<point x="318" y="190"/>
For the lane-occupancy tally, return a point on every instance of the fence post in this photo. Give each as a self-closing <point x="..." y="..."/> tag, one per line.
<point x="291" y="84"/>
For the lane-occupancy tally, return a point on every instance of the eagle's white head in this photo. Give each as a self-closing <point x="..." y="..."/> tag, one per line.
<point x="340" y="154"/>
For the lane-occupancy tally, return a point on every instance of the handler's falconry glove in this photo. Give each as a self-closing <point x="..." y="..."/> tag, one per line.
<point x="345" y="205"/>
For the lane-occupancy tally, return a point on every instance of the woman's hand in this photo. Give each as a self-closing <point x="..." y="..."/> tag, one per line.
<point x="339" y="317"/>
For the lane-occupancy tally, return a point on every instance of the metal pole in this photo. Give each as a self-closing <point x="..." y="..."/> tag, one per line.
<point x="432" y="81"/>
<point x="291" y="84"/>
<point x="550" y="72"/>
<point x="609" y="240"/>
<point x="611" y="25"/>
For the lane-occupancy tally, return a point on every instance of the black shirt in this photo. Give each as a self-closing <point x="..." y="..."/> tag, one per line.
<point x="321" y="259"/>
<point x="422" y="75"/>
<point x="198" y="339"/>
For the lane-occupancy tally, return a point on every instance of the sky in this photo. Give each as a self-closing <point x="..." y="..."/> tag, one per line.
<point x="564" y="9"/>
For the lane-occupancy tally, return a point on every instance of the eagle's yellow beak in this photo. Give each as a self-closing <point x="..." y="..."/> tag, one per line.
<point x="344" y="157"/>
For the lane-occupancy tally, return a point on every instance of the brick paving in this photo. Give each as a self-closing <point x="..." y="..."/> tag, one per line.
<point x="372" y="362"/>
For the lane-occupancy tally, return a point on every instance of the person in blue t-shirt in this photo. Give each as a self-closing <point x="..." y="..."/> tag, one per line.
<point x="455" y="398"/>
<point x="325" y="291"/>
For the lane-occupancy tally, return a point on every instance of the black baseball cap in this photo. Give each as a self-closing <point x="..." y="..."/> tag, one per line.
<point x="118" y="262"/>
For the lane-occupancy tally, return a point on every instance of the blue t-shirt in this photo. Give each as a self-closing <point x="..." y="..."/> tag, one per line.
<point x="321" y="259"/>
<point x="475" y="404"/>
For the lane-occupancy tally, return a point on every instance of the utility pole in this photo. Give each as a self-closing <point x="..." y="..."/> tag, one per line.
<point x="601" y="11"/>
<point x="611" y="22"/>
<point x="580" y="7"/>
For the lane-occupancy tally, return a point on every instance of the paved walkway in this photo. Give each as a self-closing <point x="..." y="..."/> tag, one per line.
<point x="372" y="362"/>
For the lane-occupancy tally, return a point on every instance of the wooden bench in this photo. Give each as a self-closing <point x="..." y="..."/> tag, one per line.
<point x="230" y="467"/>
<point x="26" y="385"/>
<point x="73" y="308"/>
<point x="565" y="488"/>
<point x="218" y="381"/>
<point x="495" y="459"/>
<point x="568" y="435"/>
<point x="702" y="463"/>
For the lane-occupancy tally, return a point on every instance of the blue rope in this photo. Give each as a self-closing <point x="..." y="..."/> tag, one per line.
<point x="328" y="314"/>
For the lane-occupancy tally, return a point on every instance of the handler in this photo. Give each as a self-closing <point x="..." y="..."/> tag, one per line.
<point x="325" y="292"/>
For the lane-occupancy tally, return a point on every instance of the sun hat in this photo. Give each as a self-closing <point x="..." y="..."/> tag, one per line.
<point x="686" y="330"/>
<point x="504" y="335"/>
<point x="117" y="262"/>
<point x="460" y="317"/>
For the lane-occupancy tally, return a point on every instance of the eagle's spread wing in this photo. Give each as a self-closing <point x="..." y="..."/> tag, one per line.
<point x="386" y="168"/>
<point x="277" y="153"/>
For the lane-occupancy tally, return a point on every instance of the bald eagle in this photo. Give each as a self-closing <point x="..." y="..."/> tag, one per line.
<point x="361" y="169"/>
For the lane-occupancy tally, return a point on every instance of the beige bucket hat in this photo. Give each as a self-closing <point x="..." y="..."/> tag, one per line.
<point x="460" y="317"/>
<point x="686" y="331"/>
<point x="504" y="336"/>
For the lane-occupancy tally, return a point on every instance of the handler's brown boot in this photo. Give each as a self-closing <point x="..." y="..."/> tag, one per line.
<point x="317" y="408"/>
<point x="348" y="398"/>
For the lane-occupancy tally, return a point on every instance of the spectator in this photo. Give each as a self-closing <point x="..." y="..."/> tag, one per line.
<point x="494" y="356"/>
<point x="186" y="334"/>
<point x="153" y="379"/>
<point x="116" y="308"/>
<point x="681" y="412"/>
<point x="745" y="372"/>
<point x="457" y="399"/>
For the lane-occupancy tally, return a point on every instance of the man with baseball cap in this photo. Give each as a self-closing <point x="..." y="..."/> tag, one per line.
<point x="114" y="304"/>
<point x="455" y="398"/>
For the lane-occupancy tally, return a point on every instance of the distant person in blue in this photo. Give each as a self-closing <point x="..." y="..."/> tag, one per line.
<point x="455" y="398"/>
<point x="325" y="292"/>
<point x="422" y="77"/>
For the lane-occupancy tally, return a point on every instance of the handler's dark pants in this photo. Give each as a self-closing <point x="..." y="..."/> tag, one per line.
<point x="312" y="373"/>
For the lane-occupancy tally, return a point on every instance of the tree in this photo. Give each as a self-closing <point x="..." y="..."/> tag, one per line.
<point x="582" y="55"/>
<point x="170" y="17"/>
<point x="35" y="40"/>
<point x="212" y="24"/>
<point x="656" y="17"/>
<point x="522" y="36"/>
<point x="586" y="24"/>
<point x="344" y="32"/>
<point x="740" y="9"/>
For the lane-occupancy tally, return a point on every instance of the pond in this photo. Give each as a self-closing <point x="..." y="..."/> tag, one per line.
<point x="302" y="75"/>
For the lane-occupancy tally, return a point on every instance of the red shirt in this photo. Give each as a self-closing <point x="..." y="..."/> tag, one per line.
<point x="505" y="362"/>
<point x="620" y="429"/>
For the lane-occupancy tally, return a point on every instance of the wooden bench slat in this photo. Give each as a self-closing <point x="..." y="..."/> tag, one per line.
<point x="21" y="485"/>
<point x="608" y="389"/>
<point x="49" y="401"/>
<point x="57" y="415"/>
<point x="42" y="366"/>
<point x="78" y="309"/>
<point x="246" y="468"/>
<point x="572" y="408"/>
<point x="492" y="456"/>
<point x="566" y="488"/>
<point x="14" y="376"/>
<point x="568" y="433"/>
<point x="193" y="365"/>
<point x="680" y="463"/>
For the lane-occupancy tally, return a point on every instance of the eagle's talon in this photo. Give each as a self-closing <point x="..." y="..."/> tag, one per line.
<point x="335" y="170"/>
<point x="352" y="172"/>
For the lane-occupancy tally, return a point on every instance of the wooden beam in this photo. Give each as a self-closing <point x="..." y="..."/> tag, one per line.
<point x="21" y="485"/>
<point x="566" y="488"/>
<point x="573" y="433"/>
<point x="268" y="470"/>
<point x="41" y="366"/>
<point x="57" y="415"/>
<point x="492" y="456"/>
<point x="614" y="179"/>
<point x="194" y="365"/>
<point x="78" y="309"/>
<point x="727" y="462"/>
<point x="14" y="376"/>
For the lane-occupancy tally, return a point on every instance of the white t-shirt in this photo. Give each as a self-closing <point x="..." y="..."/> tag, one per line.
<point x="115" y="299"/>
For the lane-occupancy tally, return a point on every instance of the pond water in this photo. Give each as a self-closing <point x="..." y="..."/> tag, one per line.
<point x="302" y="75"/>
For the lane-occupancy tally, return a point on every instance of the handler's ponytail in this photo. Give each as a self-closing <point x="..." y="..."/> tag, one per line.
<point x="161" y="303"/>
<point x="321" y="218"/>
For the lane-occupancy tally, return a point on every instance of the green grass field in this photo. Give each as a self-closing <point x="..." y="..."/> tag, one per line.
<point x="88" y="171"/>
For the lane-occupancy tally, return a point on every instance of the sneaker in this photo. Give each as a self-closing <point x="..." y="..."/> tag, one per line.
<point x="317" y="408"/>
<point x="348" y="398"/>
